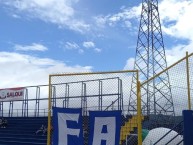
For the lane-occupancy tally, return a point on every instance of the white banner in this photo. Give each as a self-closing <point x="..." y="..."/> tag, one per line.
<point x="11" y="94"/>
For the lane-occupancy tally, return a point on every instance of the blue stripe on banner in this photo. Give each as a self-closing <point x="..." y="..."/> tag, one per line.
<point x="104" y="127"/>
<point x="188" y="127"/>
<point x="67" y="125"/>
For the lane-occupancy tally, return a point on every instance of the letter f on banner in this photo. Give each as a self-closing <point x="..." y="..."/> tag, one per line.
<point x="104" y="127"/>
<point x="67" y="126"/>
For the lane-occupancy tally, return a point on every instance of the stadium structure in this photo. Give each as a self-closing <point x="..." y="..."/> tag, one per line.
<point x="149" y="96"/>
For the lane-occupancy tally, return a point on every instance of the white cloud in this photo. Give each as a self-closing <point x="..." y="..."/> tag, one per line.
<point x="176" y="18"/>
<point x="88" y="44"/>
<point x="81" y="51"/>
<point x="97" y="50"/>
<point x="100" y="20"/>
<point x="16" y="16"/>
<point x="176" y="21"/>
<point x="60" y="12"/>
<point x="71" y="45"/>
<point x="23" y="70"/>
<point x="128" y="24"/>
<point x="32" y="47"/>
<point x="175" y="53"/>
<point x="125" y="16"/>
<point x="129" y="64"/>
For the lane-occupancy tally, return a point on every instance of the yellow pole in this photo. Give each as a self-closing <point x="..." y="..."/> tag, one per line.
<point x="139" y="115"/>
<point x="49" y="112"/>
<point x="188" y="81"/>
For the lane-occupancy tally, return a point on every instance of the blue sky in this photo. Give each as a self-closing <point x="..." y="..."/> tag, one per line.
<point x="41" y="37"/>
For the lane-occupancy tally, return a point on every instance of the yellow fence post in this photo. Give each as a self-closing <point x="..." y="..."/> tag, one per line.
<point x="188" y="80"/>
<point x="139" y="115"/>
<point x="49" y="112"/>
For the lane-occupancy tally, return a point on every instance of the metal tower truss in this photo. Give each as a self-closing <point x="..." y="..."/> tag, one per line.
<point x="150" y="60"/>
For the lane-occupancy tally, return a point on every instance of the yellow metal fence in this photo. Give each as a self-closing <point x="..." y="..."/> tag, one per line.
<point x="74" y="90"/>
<point x="181" y="89"/>
<point x="95" y="91"/>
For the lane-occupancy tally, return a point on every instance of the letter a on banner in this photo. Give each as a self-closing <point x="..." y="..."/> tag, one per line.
<point x="104" y="127"/>
<point x="67" y="126"/>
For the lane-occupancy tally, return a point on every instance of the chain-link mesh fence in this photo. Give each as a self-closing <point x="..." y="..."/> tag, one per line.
<point x="101" y="91"/>
<point x="34" y="102"/>
<point x="164" y="103"/>
<point x="25" y="110"/>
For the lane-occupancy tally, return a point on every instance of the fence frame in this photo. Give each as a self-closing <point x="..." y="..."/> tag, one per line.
<point x="139" y="115"/>
<point x="186" y="58"/>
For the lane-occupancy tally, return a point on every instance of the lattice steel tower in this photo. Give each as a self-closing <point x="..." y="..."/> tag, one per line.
<point x="150" y="60"/>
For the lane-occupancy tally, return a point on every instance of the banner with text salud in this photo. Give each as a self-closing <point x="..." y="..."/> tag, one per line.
<point x="67" y="126"/>
<point x="12" y="94"/>
<point x="104" y="127"/>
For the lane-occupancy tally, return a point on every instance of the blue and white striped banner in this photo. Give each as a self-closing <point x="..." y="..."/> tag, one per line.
<point x="104" y="127"/>
<point x="67" y="126"/>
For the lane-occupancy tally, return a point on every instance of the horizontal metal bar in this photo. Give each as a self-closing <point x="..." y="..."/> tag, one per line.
<point x="68" y="97"/>
<point x="94" y="73"/>
<point x="66" y="83"/>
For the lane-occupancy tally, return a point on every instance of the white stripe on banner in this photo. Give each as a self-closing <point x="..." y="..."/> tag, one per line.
<point x="64" y="131"/>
